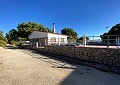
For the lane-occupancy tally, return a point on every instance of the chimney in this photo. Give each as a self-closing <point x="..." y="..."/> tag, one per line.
<point x="54" y="28"/>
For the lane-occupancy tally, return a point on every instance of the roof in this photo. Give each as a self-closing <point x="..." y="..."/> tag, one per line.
<point x="50" y="33"/>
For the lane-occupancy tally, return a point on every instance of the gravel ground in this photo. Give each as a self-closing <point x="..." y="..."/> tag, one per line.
<point x="23" y="67"/>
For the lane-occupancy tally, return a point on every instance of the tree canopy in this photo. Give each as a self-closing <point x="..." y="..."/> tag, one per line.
<point x="70" y="32"/>
<point x="115" y="30"/>
<point x="80" y="40"/>
<point x="2" y="40"/>
<point x="12" y="35"/>
<point x="24" y="30"/>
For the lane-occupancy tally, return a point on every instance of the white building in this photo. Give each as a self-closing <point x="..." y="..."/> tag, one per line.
<point x="39" y="38"/>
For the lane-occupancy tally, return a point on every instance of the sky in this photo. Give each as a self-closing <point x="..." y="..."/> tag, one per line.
<point x="88" y="17"/>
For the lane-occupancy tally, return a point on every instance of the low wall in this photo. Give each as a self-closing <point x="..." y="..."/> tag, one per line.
<point x="106" y="56"/>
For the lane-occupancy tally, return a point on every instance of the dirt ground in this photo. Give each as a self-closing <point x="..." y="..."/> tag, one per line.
<point x="23" y="67"/>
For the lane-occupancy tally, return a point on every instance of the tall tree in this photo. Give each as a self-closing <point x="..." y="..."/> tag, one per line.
<point x="12" y="35"/>
<point x="115" y="31"/>
<point x="24" y="30"/>
<point x="70" y="32"/>
<point x="2" y="40"/>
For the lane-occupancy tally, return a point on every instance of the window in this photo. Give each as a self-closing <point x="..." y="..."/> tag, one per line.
<point x="61" y="39"/>
<point x="53" y="39"/>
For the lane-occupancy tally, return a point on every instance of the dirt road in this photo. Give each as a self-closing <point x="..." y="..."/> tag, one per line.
<point x="22" y="67"/>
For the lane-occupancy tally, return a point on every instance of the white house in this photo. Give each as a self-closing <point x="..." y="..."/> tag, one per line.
<point x="39" y="38"/>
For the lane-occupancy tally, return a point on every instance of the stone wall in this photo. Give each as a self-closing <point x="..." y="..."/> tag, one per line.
<point x="106" y="56"/>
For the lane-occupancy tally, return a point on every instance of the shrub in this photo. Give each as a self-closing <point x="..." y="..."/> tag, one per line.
<point x="3" y="42"/>
<point x="15" y="42"/>
<point x="2" y="45"/>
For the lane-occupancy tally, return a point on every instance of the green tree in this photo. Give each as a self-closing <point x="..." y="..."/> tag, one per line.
<point x="15" y="42"/>
<point x="24" y="30"/>
<point x="70" y="32"/>
<point x="115" y="30"/>
<point x="80" y="40"/>
<point x="12" y="35"/>
<point x="2" y="40"/>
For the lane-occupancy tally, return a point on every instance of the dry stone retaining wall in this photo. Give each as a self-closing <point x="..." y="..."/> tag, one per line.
<point x="106" y="56"/>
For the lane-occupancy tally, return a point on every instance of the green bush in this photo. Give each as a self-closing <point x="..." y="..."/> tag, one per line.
<point x="2" y="45"/>
<point x="15" y="42"/>
<point x="3" y="42"/>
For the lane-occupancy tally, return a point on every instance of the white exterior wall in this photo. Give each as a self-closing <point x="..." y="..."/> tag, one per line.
<point x="57" y="36"/>
<point x="37" y="34"/>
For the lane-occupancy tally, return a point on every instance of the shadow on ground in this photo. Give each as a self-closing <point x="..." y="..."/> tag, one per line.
<point x="11" y="47"/>
<point x="81" y="75"/>
<point x="71" y="60"/>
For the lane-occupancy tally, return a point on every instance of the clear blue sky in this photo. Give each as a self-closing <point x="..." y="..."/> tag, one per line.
<point x="84" y="16"/>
